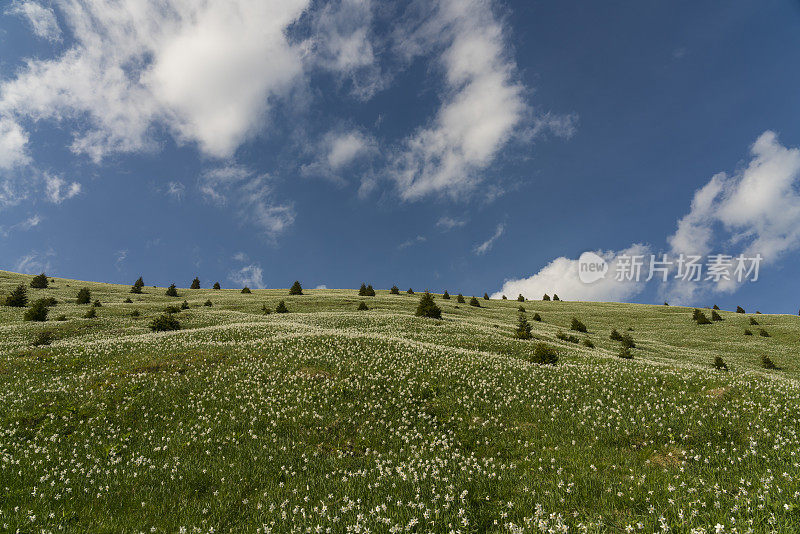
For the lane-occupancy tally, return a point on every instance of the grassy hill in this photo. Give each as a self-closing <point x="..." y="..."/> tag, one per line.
<point x="331" y="419"/>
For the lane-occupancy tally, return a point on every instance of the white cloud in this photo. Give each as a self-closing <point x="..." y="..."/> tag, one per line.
<point x="175" y="190"/>
<point x="337" y="151"/>
<point x="31" y="222"/>
<point x="41" y="18"/>
<point x="13" y="144"/>
<point x="560" y="276"/>
<point x="411" y="242"/>
<point x="251" y="276"/>
<point x="35" y="262"/>
<point x="321" y="286"/>
<point x="209" y="71"/>
<point x="449" y="223"/>
<point x="250" y="194"/>
<point x="486" y="246"/>
<point x="119" y="259"/>
<point x="58" y="190"/>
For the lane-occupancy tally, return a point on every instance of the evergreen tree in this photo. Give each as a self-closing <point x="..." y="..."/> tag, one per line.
<point x="172" y="291"/>
<point x="217" y="286"/>
<point x="296" y="289"/>
<point x="208" y="303"/>
<point x="246" y="290"/>
<point x="715" y="316"/>
<point x="504" y="297"/>
<point x="137" y="286"/>
<point x="474" y="302"/>
<point x="195" y="283"/>
<point x="486" y="296"/>
<point x="537" y="317"/>
<point x="91" y="313"/>
<point x="362" y="291"/>
<point x="394" y="291"/>
<point x="185" y="305"/>
<point x="97" y="303"/>
<point x="370" y="291"/>
<point x="265" y="310"/>
<point x="753" y="322"/>
<point x="715" y="307"/>
<point x="521" y="298"/>
<point x="739" y="309"/>
<point x="544" y="355"/>
<point x="627" y="341"/>
<point x="577" y="325"/>
<point x="521" y="309"/>
<point x="362" y="306"/>
<point x="446" y="295"/>
<point x="39" y="281"/>
<point x="18" y="298"/>
<point x="281" y="308"/>
<point x="410" y="291"/>
<point x="523" y="327"/>
<point x="84" y="296"/>
<point x="719" y="364"/>
<point x="699" y="317"/>
<point x="555" y="297"/>
<point x="615" y="336"/>
<point x="546" y="297"/>
<point x="164" y="323"/>
<point x="460" y="299"/>
<point x="37" y="312"/>
<point x="428" y="308"/>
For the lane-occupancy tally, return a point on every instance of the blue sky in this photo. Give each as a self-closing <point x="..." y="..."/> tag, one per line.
<point x="473" y="146"/>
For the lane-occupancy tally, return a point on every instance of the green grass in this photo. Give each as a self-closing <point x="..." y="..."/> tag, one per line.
<point x="345" y="420"/>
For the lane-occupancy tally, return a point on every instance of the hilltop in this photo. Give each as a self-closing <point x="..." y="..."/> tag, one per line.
<point x="372" y="420"/>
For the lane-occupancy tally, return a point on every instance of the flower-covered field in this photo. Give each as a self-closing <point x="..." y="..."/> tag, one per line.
<point x="329" y="419"/>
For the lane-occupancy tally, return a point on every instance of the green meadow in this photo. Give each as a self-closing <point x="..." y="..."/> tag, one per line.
<point x="333" y="419"/>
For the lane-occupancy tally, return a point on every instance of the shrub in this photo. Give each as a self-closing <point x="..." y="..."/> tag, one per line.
<point x="504" y="297"/>
<point x="555" y="297"/>
<point x="747" y="332"/>
<point x="577" y="325"/>
<point x="715" y="316"/>
<point x="627" y="341"/>
<point x="394" y="291"/>
<point x="137" y="286"/>
<point x="767" y="363"/>
<point x="446" y="295"/>
<point x="537" y="317"/>
<point x="172" y="291"/>
<point x="739" y="309"/>
<point x="185" y="305"/>
<point x="370" y="290"/>
<point x="37" y="312"/>
<point x="753" y="322"/>
<point x="474" y="302"/>
<point x="544" y="354"/>
<point x="91" y="313"/>
<point x="49" y="301"/>
<point x="362" y="306"/>
<point x="172" y="309"/>
<point x="410" y="291"/>
<point x="719" y="364"/>
<point x="699" y="317"/>
<point x="568" y="337"/>
<point x="18" y="298"/>
<point x="165" y="322"/>
<point x="281" y="308"/>
<point x="43" y="338"/>
<point x="427" y="307"/>
<point x="666" y="303"/>
<point x="486" y="296"/>
<point x="521" y="309"/>
<point x="128" y="301"/>
<point x="97" y="304"/>
<point x="265" y="310"/>
<point x="615" y="336"/>
<point x="523" y="327"/>
<point x="296" y="288"/>
<point x="208" y="303"/>
<point x="39" y="281"/>
<point x="84" y="296"/>
<point x="546" y="297"/>
<point x="625" y="353"/>
<point x="521" y="298"/>
<point x="763" y="333"/>
<point x="217" y="286"/>
<point x="246" y="290"/>
<point x="362" y="291"/>
<point x="135" y="313"/>
<point x="588" y="343"/>
<point x="195" y="283"/>
<point x="715" y="307"/>
<point x="460" y="298"/>
<point x="61" y="317"/>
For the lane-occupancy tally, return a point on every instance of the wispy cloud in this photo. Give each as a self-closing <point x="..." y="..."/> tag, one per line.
<point x="486" y="246"/>
<point x="58" y="190"/>
<point x="251" y="276"/>
<point x="449" y="223"/>
<point x="410" y="242"/>
<point x="35" y="262"/>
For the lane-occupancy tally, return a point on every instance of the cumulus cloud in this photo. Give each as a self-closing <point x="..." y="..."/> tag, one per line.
<point x="42" y="19"/>
<point x="251" y="276"/>
<point x="337" y="151"/>
<point x="58" y="190"/>
<point x="486" y="246"/>
<point x="560" y="276"/>
<point x="13" y="144"/>
<point x="251" y="194"/>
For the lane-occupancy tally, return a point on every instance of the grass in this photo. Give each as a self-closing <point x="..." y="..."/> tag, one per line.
<point x="331" y="418"/>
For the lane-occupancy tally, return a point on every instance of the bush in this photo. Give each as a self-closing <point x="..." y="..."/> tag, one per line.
<point x="568" y="337"/>
<point x="699" y="317"/>
<point x="84" y="296"/>
<point x="521" y="309"/>
<point x="195" y="283"/>
<point x="546" y="297"/>
<point x="18" y="298"/>
<point x="164" y="323"/>
<point x="61" y="318"/>
<point x="763" y="333"/>
<point x="410" y="291"/>
<point x="753" y="322"/>
<point x="486" y="296"/>
<point x="39" y="281"/>
<point x="49" y="301"/>
<point x="588" y="343"/>
<point x="537" y="317"/>
<point x="627" y="341"/>
<point x="394" y="291"/>
<point x="715" y="307"/>
<point x="137" y="286"/>
<point x="281" y="308"/>
<point x="127" y="301"/>
<point x="362" y="291"/>
<point x="97" y="304"/>
<point x="172" y="309"/>
<point x="523" y="327"/>
<point x="208" y="303"/>
<point x="555" y="297"/>
<point x="37" y="312"/>
<point x="474" y="302"/>
<point x="521" y="298"/>
<point x="460" y="298"/>
<point x="767" y="363"/>
<point x="715" y="316"/>
<point x="504" y="297"/>
<point x="625" y="353"/>
<point x="185" y="305"/>
<point x="739" y="309"/>
<point x="719" y="364"/>
<point x="544" y="354"/>
<point x="265" y="310"/>
<point x="370" y="290"/>
<point x="43" y="338"/>
<point x="135" y="313"/>
<point x="428" y="308"/>
<point x="172" y="291"/>
<point x="446" y="295"/>
<point x="615" y="336"/>
<point x="217" y="286"/>
<point x="362" y="306"/>
<point x="577" y="325"/>
<point x="91" y="313"/>
<point x="747" y="332"/>
<point x="296" y="289"/>
<point x="246" y="290"/>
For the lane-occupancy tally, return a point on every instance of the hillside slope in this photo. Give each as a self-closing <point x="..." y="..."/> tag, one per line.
<point x="328" y="417"/>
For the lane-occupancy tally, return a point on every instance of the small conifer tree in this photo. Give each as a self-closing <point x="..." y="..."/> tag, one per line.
<point x="699" y="317"/>
<point x="428" y="308"/>
<point x="615" y="336"/>
<point x="460" y="299"/>
<point x="521" y="298"/>
<point x="523" y="327"/>
<point x="217" y="286"/>
<point x="555" y="297"/>
<point x="715" y="307"/>
<point x="137" y="286"/>
<point x="296" y="288"/>
<point x="394" y="291"/>
<point x="627" y="341"/>
<point x="39" y="281"/>
<point x="588" y="343"/>
<point x="370" y="291"/>
<point x="739" y="309"/>
<point x="577" y="325"/>
<point x="719" y="364"/>
<point x="246" y="290"/>
<point x="446" y="295"/>
<point x="715" y="316"/>
<point x="98" y="304"/>
<point x="410" y="291"/>
<point x="37" y="312"/>
<point x="164" y="323"/>
<point x="753" y="322"/>
<point x="195" y="283"/>
<point x="521" y="309"/>
<point x="486" y="296"/>
<point x="767" y="363"/>
<point x="281" y="308"/>
<point x="362" y="291"/>
<point x="208" y="303"/>
<point x="537" y="317"/>
<point x="185" y="305"/>
<point x="625" y="353"/>
<point x="172" y="291"/>
<point x="546" y="297"/>
<point x="763" y="333"/>
<point x="84" y="296"/>
<point x="91" y="313"/>
<point x="18" y="298"/>
<point x="474" y="302"/>
<point x="748" y="332"/>
<point x="504" y="297"/>
<point x="362" y="306"/>
<point x="544" y="354"/>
